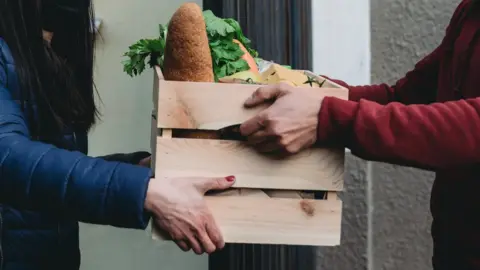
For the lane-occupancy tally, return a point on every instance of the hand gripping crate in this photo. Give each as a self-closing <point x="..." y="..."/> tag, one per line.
<point x="272" y="201"/>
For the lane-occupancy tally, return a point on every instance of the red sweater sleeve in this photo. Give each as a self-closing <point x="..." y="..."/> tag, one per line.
<point x="436" y="136"/>
<point x="408" y="90"/>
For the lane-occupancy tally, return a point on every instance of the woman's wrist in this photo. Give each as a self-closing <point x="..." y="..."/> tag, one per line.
<point x="148" y="204"/>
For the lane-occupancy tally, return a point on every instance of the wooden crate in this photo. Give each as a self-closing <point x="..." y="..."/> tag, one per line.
<point x="272" y="201"/>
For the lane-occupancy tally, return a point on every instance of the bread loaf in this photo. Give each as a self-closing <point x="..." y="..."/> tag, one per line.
<point x="187" y="52"/>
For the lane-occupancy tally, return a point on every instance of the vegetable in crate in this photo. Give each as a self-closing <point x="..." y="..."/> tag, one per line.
<point x="274" y="74"/>
<point x="187" y="53"/>
<point x="230" y="50"/>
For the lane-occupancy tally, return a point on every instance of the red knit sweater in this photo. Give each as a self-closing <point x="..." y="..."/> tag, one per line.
<point x="429" y="119"/>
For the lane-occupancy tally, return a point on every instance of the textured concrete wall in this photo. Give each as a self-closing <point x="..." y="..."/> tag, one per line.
<point x="386" y="222"/>
<point x="402" y="33"/>
<point x="352" y="253"/>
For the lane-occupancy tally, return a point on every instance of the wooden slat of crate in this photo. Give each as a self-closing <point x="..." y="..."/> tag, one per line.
<point x="153" y="139"/>
<point x="276" y="221"/>
<point x="212" y="106"/>
<point x="158" y="77"/>
<point x="207" y="106"/>
<point x="312" y="169"/>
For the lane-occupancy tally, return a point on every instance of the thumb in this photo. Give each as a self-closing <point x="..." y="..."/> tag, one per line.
<point x="263" y="94"/>
<point x="219" y="183"/>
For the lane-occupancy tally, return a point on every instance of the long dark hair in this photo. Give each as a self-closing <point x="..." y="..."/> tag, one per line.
<point x="58" y="78"/>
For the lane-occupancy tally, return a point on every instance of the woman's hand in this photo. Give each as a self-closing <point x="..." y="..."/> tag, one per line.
<point x="178" y="207"/>
<point x="289" y="124"/>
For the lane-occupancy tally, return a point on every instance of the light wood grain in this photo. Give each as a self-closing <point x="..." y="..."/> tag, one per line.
<point x="158" y="76"/>
<point x="276" y="221"/>
<point x="311" y="169"/>
<point x="212" y="106"/>
<point x="153" y="140"/>
<point x="332" y="196"/>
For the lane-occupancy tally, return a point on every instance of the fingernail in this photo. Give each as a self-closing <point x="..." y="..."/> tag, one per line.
<point x="230" y="178"/>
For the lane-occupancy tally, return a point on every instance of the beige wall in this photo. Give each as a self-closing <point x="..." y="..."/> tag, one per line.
<point x="125" y="127"/>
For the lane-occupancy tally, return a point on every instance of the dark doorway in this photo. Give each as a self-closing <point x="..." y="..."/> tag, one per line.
<point x="279" y="29"/>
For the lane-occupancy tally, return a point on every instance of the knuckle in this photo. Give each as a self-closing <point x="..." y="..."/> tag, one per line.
<point x="260" y="93"/>
<point x="284" y="87"/>
<point x="265" y="115"/>
<point x="264" y="118"/>
<point x="220" y="244"/>
<point x="284" y="142"/>
<point x="219" y="182"/>
<point x="198" y="250"/>
<point x="176" y="236"/>
<point x="210" y="249"/>
<point x="183" y="245"/>
<point x="196" y="229"/>
<point x="291" y="149"/>
<point x="207" y="216"/>
<point x="216" y="239"/>
<point x="276" y="129"/>
<point x="201" y="222"/>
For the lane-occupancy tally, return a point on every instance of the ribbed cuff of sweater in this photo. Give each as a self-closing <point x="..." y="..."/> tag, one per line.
<point x="335" y="121"/>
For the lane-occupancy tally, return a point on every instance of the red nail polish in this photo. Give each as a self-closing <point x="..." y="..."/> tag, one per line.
<point x="230" y="178"/>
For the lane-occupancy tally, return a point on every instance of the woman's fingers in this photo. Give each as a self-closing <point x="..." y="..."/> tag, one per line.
<point x="204" y="238"/>
<point x="201" y="242"/>
<point x="188" y="221"/>
<point x="214" y="233"/>
<point x="207" y="184"/>
<point x="183" y="245"/>
<point x="206" y="242"/>
<point x="194" y="244"/>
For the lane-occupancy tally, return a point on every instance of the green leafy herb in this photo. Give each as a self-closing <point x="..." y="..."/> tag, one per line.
<point x="151" y="49"/>
<point x="216" y="26"/>
<point x="241" y="37"/>
<point x="226" y="54"/>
